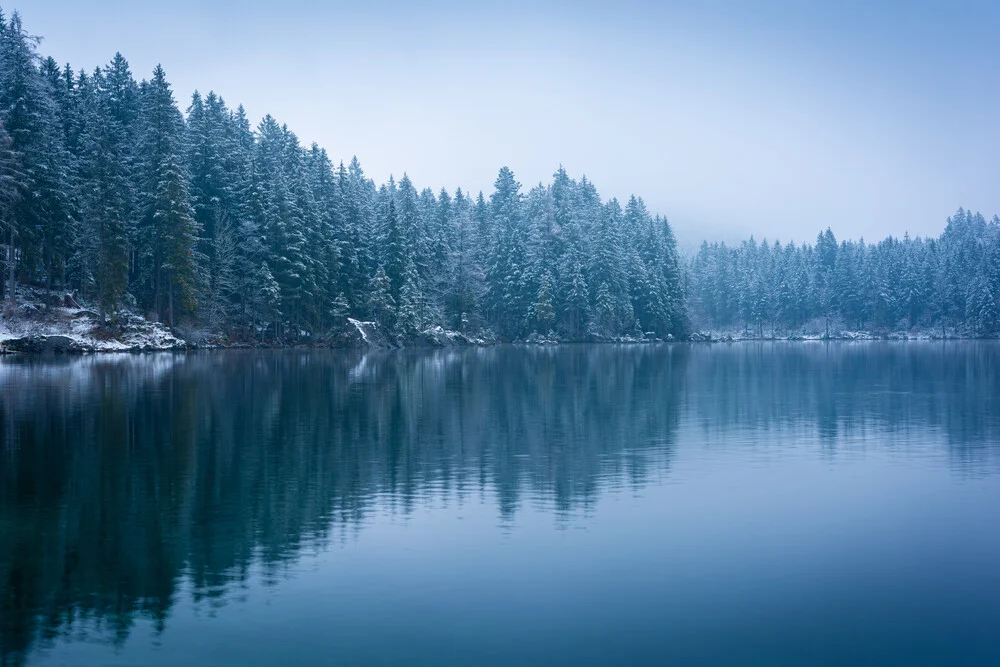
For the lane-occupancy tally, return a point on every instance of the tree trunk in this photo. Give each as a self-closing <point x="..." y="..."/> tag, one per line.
<point x="48" y="287"/>
<point x="170" y="302"/>
<point x="11" y="268"/>
<point x="3" y="284"/>
<point x="156" y="294"/>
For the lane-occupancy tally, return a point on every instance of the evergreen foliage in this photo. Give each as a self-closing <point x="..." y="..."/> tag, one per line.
<point x="951" y="284"/>
<point x="109" y="191"/>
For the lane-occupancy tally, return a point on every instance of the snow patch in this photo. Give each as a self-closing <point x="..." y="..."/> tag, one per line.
<point x="32" y="326"/>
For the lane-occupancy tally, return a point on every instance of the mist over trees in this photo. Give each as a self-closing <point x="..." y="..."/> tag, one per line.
<point x="949" y="283"/>
<point x="107" y="190"/>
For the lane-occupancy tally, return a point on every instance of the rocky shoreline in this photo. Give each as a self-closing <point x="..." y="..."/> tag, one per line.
<point x="62" y="326"/>
<point x="360" y="335"/>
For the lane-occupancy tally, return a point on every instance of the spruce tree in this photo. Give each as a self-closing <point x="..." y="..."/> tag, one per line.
<point x="169" y="232"/>
<point x="543" y="312"/>
<point x="505" y="264"/>
<point x="41" y="222"/>
<point x="381" y="303"/>
<point x="107" y="196"/>
<point x="410" y="318"/>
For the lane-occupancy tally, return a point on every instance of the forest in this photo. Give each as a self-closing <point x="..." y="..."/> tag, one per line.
<point x="109" y="192"/>
<point x="113" y="194"/>
<point x="950" y="284"/>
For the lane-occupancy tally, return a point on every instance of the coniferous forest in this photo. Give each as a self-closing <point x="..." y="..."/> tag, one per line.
<point x="110" y="192"/>
<point x="951" y="284"/>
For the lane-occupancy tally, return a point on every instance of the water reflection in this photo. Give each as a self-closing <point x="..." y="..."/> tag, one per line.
<point x="124" y="479"/>
<point x="855" y="390"/>
<point x="121" y="475"/>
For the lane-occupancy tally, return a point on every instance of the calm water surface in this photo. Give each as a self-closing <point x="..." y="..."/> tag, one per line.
<point x="751" y="504"/>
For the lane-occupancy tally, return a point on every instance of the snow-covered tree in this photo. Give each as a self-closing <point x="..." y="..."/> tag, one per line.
<point x="381" y="303"/>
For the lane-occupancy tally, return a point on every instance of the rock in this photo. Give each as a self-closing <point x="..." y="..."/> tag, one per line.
<point x="27" y="310"/>
<point x="440" y="337"/>
<point x="363" y="335"/>
<point x="35" y="344"/>
<point x="537" y="339"/>
<point x="433" y="337"/>
<point x="61" y="344"/>
<point x="26" y="344"/>
<point x="51" y="300"/>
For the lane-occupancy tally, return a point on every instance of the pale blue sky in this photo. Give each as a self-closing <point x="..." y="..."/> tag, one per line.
<point x="777" y="118"/>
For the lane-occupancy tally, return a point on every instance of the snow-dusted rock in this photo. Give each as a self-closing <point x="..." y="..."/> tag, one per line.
<point x="363" y="335"/>
<point x="45" y="323"/>
<point x="44" y="343"/>
<point x="440" y="337"/>
<point x="539" y="339"/>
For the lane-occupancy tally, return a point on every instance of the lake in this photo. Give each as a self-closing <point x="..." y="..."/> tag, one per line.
<point x="744" y="504"/>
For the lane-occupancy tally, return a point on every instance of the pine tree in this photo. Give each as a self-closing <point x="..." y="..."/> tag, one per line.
<point x="41" y="224"/>
<point x="169" y="231"/>
<point x="249" y="280"/>
<point x="543" y="312"/>
<point x="505" y="270"/>
<point x="409" y="320"/>
<point x="358" y="256"/>
<point x="609" y="270"/>
<point x="107" y="195"/>
<point x="264" y="301"/>
<point x="11" y="187"/>
<point x="981" y="306"/>
<point x="392" y="245"/>
<point x="465" y="291"/>
<point x="381" y="303"/>
<point x="413" y="229"/>
<point x="339" y="311"/>
<point x="214" y="192"/>
<point x="329" y="227"/>
<point x="281" y="218"/>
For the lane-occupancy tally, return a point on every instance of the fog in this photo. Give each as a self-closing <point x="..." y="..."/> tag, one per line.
<point x="777" y="121"/>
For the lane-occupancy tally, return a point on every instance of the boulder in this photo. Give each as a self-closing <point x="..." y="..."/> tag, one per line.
<point x="438" y="336"/>
<point x="433" y="337"/>
<point x="58" y="344"/>
<point x="62" y="344"/>
<point x="364" y="336"/>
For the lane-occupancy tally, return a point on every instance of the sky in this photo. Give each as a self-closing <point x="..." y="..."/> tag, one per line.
<point x="771" y="118"/>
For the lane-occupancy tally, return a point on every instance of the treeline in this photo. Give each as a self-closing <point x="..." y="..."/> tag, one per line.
<point x="109" y="191"/>
<point x="951" y="283"/>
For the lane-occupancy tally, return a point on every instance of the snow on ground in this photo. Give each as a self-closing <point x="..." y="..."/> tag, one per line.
<point x="30" y="324"/>
<point x="725" y="336"/>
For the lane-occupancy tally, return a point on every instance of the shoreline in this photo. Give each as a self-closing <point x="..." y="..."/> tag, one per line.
<point x="32" y="327"/>
<point x="55" y="345"/>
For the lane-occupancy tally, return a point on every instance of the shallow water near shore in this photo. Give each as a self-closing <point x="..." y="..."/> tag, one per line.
<point x="754" y="503"/>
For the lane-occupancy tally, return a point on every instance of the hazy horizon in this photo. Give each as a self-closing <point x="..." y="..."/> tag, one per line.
<point x="776" y="121"/>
